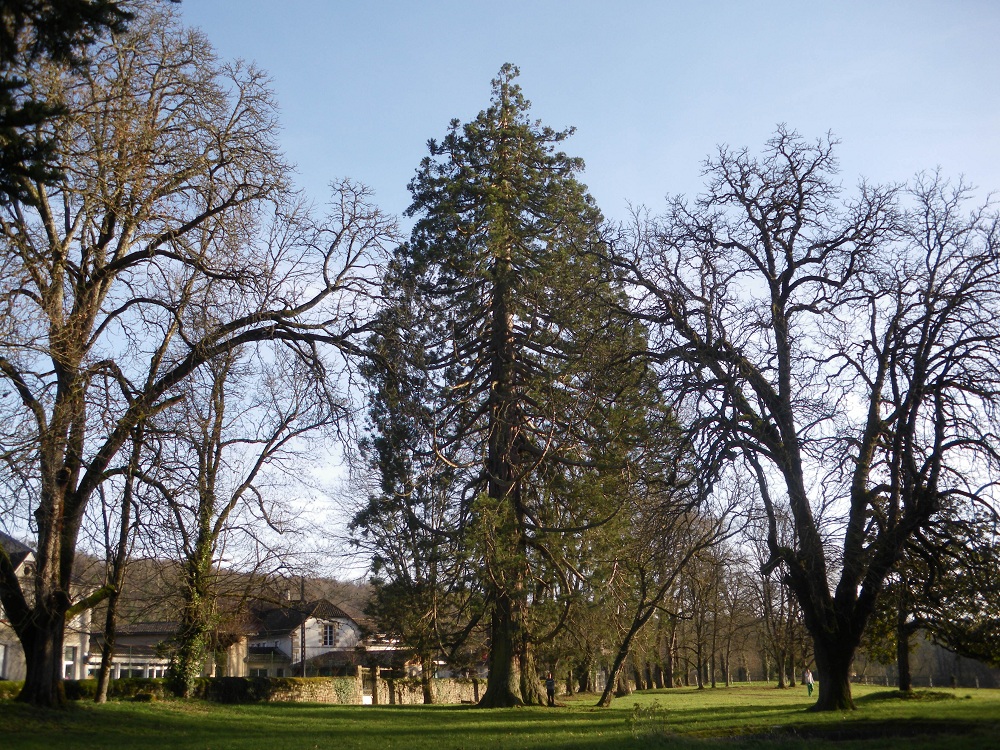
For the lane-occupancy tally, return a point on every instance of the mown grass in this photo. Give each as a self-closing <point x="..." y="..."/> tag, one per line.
<point x="756" y="717"/>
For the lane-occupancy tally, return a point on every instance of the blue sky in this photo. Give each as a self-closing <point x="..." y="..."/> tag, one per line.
<point x="652" y="87"/>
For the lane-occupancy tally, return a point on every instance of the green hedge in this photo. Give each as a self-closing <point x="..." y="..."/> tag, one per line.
<point x="126" y="688"/>
<point x="237" y="689"/>
<point x="346" y="689"/>
<point x="129" y="688"/>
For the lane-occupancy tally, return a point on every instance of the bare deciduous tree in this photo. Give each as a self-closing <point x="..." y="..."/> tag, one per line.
<point x="844" y="350"/>
<point x="663" y="534"/>
<point x="237" y="442"/>
<point x="170" y="168"/>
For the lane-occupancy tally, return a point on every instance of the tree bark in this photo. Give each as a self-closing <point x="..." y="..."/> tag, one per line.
<point x="119" y="561"/>
<point x="669" y="661"/>
<point x="43" y="652"/>
<point x="833" y="662"/>
<point x="623" y="686"/>
<point x="531" y="685"/>
<point x="426" y="678"/>
<point x="618" y="665"/>
<point x="107" y="649"/>
<point x="194" y="635"/>
<point x="503" y="689"/>
<point x="699" y="663"/>
<point x="903" y="650"/>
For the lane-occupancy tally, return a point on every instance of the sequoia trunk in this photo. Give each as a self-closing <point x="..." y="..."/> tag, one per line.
<point x="503" y="689"/>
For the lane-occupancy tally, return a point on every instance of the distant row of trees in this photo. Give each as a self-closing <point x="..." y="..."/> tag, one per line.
<point x="576" y="429"/>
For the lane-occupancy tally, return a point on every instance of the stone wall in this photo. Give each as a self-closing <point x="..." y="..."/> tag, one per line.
<point x="339" y="690"/>
<point x="407" y="691"/>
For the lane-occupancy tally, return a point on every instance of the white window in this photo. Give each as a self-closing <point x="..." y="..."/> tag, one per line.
<point x="329" y="635"/>
<point x="69" y="662"/>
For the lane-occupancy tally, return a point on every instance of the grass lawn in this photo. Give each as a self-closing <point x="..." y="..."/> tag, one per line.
<point x="744" y="717"/>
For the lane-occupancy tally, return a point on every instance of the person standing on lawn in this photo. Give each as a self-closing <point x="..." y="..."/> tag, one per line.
<point x="808" y="680"/>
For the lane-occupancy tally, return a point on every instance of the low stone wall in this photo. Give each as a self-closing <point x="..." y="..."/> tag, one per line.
<point x="408" y="691"/>
<point x="340" y="690"/>
<point x="333" y="690"/>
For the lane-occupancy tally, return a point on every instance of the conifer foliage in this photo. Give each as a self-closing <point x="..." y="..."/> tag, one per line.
<point x="517" y="354"/>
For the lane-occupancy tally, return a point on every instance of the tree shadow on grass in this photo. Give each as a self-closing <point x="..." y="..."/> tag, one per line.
<point x="183" y="726"/>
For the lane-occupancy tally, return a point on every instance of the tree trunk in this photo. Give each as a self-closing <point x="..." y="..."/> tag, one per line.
<point x="791" y="662"/>
<point x="669" y="661"/>
<point x="698" y="667"/>
<point x="584" y="676"/>
<point x="640" y="684"/>
<point x="503" y="689"/>
<point x="531" y="685"/>
<point x="903" y="651"/>
<point x="194" y="635"/>
<point x="833" y="663"/>
<point x="623" y="686"/>
<point x="728" y="664"/>
<point x="426" y="678"/>
<point x="107" y="649"/>
<point x="43" y="656"/>
<point x="119" y="561"/>
<point x="619" y="663"/>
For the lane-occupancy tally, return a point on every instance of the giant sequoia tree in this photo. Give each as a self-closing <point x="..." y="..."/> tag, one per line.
<point x="844" y="350"/>
<point x="517" y="356"/>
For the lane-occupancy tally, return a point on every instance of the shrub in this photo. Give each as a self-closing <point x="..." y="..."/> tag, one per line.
<point x="346" y="689"/>
<point x="10" y="688"/>
<point x="81" y="690"/>
<point x="126" y="688"/>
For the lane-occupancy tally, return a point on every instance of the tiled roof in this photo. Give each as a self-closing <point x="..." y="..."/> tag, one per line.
<point x="15" y="550"/>
<point x="148" y="628"/>
<point x="283" y="620"/>
<point x="347" y="657"/>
